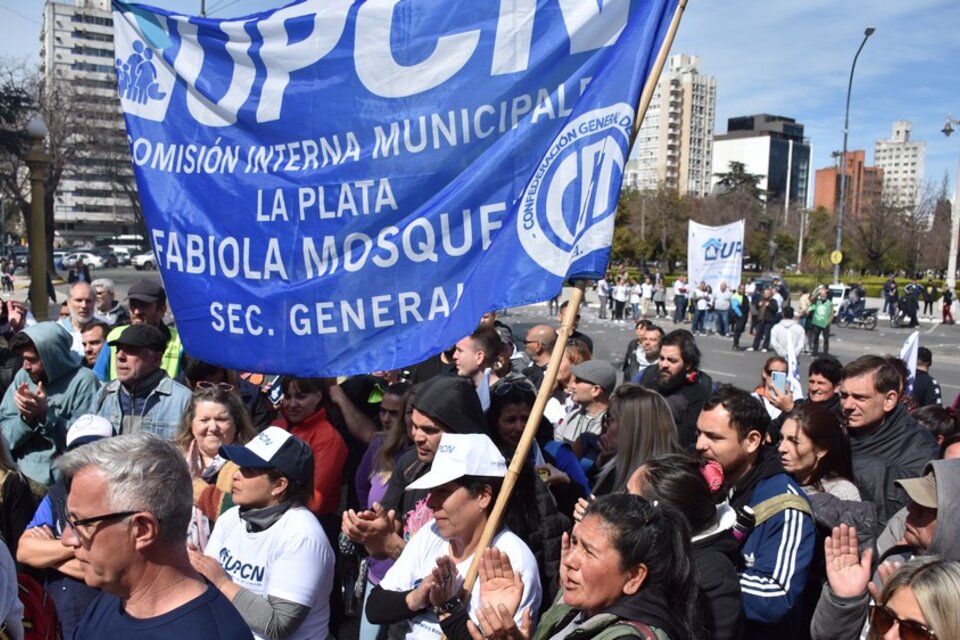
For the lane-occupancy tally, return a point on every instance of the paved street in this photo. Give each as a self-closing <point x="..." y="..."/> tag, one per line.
<point x="741" y="368"/>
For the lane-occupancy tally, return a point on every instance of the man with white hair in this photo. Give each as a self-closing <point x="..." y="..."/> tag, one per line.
<point x="108" y="309"/>
<point x="128" y="507"/>
<point x="81" y="305"/>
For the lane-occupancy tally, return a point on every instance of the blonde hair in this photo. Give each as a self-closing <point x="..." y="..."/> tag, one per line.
<point x="936" y="586"/>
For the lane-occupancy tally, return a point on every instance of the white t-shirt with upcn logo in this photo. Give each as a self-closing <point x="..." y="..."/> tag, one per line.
<point x="419" y="558"/>
<point x="291" y="560"/>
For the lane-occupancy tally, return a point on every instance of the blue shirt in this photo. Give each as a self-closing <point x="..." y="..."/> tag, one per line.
<point x="208" y="617"/>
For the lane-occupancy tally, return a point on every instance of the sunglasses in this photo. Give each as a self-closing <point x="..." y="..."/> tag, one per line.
<point x="882" y="620"/>
<point x="226" y="387"/>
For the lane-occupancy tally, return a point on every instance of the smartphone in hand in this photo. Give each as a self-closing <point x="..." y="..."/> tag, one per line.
<point x="779" y="379"/>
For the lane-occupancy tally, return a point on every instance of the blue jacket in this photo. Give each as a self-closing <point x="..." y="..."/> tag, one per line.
<point x="161" y="412"/>
<point x="775" y="557"/>
<point x="71" y="392"/>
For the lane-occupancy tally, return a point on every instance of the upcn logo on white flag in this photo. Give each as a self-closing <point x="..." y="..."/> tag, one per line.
<point x="715" y="254"/>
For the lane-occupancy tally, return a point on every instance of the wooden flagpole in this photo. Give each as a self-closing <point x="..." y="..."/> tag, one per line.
<point x="566" y="328"/>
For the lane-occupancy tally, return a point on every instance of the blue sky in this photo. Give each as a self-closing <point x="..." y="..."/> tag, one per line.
<point x="769" y="56"/>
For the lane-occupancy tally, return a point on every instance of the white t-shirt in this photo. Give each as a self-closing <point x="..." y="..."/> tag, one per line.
<point x="292" y="560"/>
<point x="419" y="558"/>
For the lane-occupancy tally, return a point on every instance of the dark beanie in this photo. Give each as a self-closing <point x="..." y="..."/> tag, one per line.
<point x="452" y="402"/>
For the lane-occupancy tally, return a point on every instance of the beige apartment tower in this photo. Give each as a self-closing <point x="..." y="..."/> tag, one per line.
<point x="675" y="143"/>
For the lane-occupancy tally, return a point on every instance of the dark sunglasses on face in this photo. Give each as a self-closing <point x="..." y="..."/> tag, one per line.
<point x="882" y="620"/>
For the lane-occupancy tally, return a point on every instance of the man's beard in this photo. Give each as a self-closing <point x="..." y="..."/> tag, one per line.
<point x="669" y="385"/>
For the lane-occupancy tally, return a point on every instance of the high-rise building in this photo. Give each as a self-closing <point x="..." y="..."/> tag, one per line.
<point x="93" y="197"/>
<point x="902" y="162"/>
<point x="674" y="145"/>
<point x="864" y="188"/>
<point x="768" y="146"/>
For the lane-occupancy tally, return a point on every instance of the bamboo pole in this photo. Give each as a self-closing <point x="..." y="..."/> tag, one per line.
<point x="563" y="334"/>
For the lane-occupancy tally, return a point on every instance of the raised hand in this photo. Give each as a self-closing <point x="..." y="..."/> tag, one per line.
<point x="847" y="571"/>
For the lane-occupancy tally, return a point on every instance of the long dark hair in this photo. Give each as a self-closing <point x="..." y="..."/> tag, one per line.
<point x="655" y="535"/>
<point x="823" y="428"/>
<point x="675" y="479"/>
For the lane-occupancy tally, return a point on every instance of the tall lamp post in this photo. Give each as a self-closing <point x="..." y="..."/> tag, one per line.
<point x="37" y="161"/>
<point x="843" y="155"/>
<point x="954" y="214"/>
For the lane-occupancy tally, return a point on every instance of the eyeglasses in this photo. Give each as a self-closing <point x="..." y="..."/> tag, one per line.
<point x="73" y="524"/>
<point x="882" y="620"/>
<point x="226" y="387"/>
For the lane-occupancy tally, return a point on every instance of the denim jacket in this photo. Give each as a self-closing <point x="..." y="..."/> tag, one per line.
<point x="161" y="412"/>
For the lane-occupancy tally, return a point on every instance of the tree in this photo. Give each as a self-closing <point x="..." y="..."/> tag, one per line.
<point x="936" y="241"/>
<point x="738" y="180"/>
<point x="68" y="135"/>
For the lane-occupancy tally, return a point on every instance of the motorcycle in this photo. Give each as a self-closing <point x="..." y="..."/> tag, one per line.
<point x="866" y="318"/>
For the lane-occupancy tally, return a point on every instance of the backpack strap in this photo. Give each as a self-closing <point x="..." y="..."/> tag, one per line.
<point x="772" y="506"/>
<point x="637" y="629"/>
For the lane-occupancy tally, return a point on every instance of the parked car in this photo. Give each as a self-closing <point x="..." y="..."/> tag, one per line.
<point x="144" y="261"/>
<point x="109" y="258"/>
<point x="58" y="258"/>
<point x="92" y="260"/>
<point x="123" y="256"/>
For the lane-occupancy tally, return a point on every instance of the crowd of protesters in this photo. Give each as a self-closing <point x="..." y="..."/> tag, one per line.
<point x="148" y="493"/>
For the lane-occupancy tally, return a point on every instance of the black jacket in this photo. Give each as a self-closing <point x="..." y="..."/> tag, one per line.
<point x="685" y="402"/>
<point x="897" y="448"/>
<point x="715" y="560"/>
<point x="926" y="390"/>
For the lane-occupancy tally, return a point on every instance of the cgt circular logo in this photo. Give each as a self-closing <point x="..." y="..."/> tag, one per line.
<point x="568" y="208"/>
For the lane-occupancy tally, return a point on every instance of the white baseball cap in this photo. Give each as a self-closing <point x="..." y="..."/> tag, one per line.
<point x="87" y="428"/>
<point x="462" y="454"/>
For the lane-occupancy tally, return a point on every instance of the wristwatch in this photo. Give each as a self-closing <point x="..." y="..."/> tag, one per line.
<point x="452" y="605"/>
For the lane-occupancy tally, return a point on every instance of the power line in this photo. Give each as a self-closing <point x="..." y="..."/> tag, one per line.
<point x="25" y="17"/>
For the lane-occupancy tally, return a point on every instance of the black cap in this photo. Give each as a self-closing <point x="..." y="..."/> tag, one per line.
<point x="142" y="335"/>
<point x="147" y="291"/>
<point x="452" y="402"/>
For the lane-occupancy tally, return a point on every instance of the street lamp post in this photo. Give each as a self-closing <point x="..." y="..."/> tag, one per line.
<point x="37" y="161"/>
<point x="843" y="156"/>
<point x="954" y="214"/>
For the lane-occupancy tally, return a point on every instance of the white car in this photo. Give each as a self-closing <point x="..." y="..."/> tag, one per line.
<point x="92" y="260"/>
<point x="144" y="261"/>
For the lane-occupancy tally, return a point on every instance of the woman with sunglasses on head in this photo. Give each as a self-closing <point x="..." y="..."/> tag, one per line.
<point x="197" y="373"/>
<point x="214" y="417"/>
<point x="269" y="555"/>
<point x="304" y="415"/>
<point x="640" y="426"/>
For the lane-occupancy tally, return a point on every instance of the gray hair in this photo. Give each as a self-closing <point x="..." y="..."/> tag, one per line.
<point x="936" y="584"/>
<point x="106" y="283"/>
<point x="144" y="472"/>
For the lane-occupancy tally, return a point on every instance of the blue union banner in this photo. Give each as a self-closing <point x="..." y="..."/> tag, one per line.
<point x="338" y="187"/>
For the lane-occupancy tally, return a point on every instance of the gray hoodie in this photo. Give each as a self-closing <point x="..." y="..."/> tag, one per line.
<point x="71" y="392"/>
<point x="843" y="618"/>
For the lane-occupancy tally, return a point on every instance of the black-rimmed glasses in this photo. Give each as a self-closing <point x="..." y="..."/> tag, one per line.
<point x="82" y="522"/>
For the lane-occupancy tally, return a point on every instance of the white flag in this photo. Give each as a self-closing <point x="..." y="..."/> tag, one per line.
<point x="793" y="372"/>
<point x="908" y="353"/>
